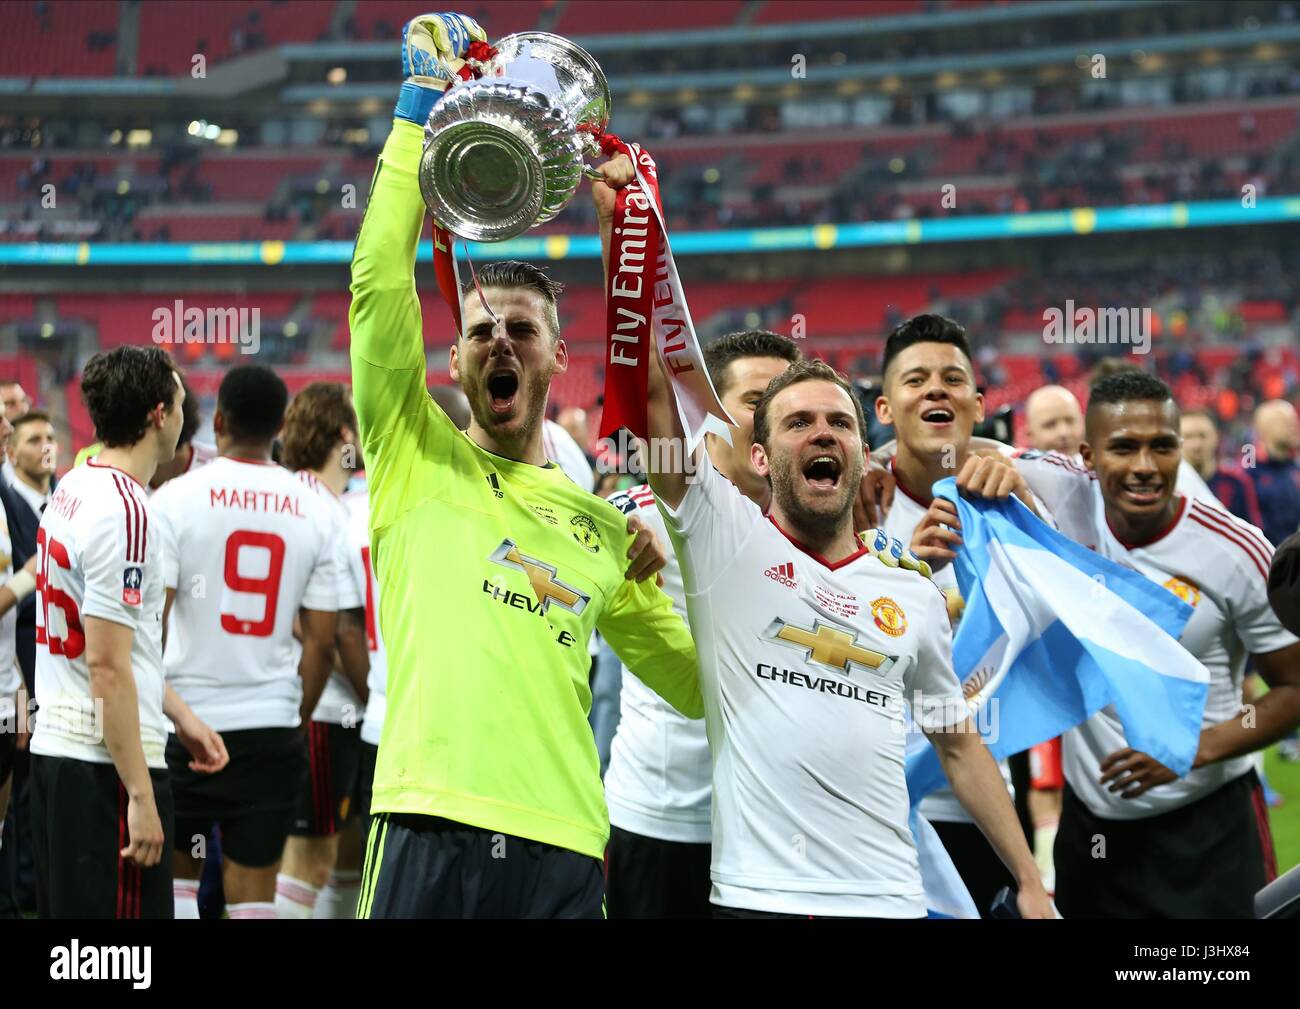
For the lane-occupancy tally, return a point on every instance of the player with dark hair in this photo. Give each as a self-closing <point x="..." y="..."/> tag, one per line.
<point x="1197" y="846"/>
<point x="809" y="643"/>
<point x="659" y="782"/>
<point x="101" y="800"/>
<point x="929" y="396"/>
<point x="494" y="569"/>
<point x="321" y="871"/>
<point x="248" y="548"/>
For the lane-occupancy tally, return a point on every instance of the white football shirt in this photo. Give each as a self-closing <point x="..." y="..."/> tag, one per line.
<point x="339" y="703"/>
<point x="659" y="779"/>
<point x="247" y="545"/>
<point x="1210" y="559"/>
<point x="99" y="555"/>
<point x="905" y="514"/>
<point x="372" y="726"/>
<point x="563" y="450"/>
<point x="805" y="667"/>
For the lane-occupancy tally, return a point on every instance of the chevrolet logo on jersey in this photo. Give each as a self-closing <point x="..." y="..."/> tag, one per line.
<point x="542" y="576"/>
<point x="830" y="646"/>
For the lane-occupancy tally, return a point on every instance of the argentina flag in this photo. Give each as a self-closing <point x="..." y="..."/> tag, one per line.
<point x="1053" y="632"/>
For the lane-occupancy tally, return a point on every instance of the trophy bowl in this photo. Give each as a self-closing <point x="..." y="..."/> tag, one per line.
<point x="505" y="153"/>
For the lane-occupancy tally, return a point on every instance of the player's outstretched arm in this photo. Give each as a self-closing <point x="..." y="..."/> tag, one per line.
<point x="648" y="636"/>
<point x="319" y="628"/>
<point x="108" y="654"/>
<point x="979" y="787"/>
<point x="387" y="347"/>
<point x="665" y="426"/>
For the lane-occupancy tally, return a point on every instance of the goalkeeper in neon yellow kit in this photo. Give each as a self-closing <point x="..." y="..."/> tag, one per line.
<point x="494" y="570"/>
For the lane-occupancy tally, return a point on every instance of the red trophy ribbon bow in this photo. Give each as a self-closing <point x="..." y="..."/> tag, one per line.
<point x="645" y="306"/>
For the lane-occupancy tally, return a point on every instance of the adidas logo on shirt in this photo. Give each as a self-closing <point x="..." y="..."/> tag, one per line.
<point x="784" y="574"/>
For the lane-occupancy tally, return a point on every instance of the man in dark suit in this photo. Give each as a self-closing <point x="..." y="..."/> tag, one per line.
<point x="29" y="449"/>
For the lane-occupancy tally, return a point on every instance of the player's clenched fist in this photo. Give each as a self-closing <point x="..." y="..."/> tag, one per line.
<point x="434" y="47"/>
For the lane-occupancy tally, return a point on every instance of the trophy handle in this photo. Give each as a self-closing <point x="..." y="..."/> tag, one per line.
<point x="592" y="174"/>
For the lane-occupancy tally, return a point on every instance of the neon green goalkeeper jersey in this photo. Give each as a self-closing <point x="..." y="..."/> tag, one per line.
<point x="493" y="575"/>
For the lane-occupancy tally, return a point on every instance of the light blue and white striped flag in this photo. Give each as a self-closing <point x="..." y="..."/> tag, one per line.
<point x="1053" y="632"/>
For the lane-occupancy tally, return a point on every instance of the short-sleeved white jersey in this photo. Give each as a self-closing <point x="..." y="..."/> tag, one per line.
<point x="905" y="514"/>
<point x="659" y="778"/>
<point x="372" y="726"/>
<point x="1210" y="559"/>
<point x="98" y="555"/>
<point x="247" y="545"/>
<point x="339" y="703"/>
<point x="805" y="668"/>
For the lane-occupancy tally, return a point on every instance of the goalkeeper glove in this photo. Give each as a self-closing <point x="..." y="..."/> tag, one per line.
<point x="434" y="47"/>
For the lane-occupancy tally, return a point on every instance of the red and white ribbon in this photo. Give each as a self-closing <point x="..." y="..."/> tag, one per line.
<point x="646" y="308"/>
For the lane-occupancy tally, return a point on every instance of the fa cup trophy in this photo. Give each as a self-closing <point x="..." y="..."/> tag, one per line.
<point x="505" y="152"/>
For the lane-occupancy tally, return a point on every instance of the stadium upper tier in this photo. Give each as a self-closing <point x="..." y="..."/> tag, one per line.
<point x="187" y="193"/>
<point x="169" y="33"/>
<point x="158" y="38"/>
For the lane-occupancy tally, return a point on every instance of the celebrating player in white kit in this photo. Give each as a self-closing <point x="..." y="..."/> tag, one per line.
<point x="810" y="645"/>
<point x="248" y="547"/>
<point x="101" y="801"/>
<point x="1197" y="846"/>
<point x="930" y="399"/>
<point x="659" y="783"/>
<point x="321" y="871"/>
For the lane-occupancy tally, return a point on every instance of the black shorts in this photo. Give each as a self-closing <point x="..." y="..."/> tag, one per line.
<point x="8" y="752"/>
<point x="427" y="867"/>
<point x="975" y="861"/>
<point x="252" y="799"/>
<point x="366" y="782"/>
<point x="325" y="797"/>
<point x="646" y="877"/>
<point x="79" y="827"/>
<point x="1202" y="860"/>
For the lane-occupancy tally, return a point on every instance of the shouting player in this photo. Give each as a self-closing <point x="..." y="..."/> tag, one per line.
<point x="930" y="398"/>
<point x="810" y="643"/>
<point x="659" y="781"/>
<point x="494" y="568"/>
<point x="248" y="548"/>
<point x="1197" y="846"/>
<point x="101" y="801"/>
<point x="322" y="858"/>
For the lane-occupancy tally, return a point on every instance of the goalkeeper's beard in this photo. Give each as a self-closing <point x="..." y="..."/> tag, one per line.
<point x="516" y="429"/>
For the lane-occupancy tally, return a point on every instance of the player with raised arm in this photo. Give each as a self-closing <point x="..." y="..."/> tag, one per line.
<point x="805" y="675"/>
<point x="321" y="870"/>
<point x="659" y="782"/>
<point x="248" y="549"/>
<point x="494" y="570"/>
<point x="1197" y="846"/>
<point x="101" y="800"/>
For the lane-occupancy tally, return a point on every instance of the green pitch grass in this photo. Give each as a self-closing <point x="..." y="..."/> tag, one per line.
<point x="1284" y="778"/>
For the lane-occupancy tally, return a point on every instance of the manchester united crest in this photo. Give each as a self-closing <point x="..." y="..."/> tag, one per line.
<point x="889" y="616"/>
<point x="1185" y="590"/>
